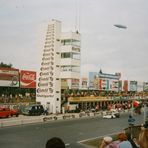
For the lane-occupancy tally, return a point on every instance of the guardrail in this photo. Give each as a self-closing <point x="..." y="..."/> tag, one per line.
<point x="70" y="116"/>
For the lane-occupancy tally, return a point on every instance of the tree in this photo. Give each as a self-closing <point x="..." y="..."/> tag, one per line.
<point x="5" y="65"/>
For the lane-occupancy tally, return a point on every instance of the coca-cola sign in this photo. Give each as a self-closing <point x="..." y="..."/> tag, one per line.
<point x="27" y="79"/>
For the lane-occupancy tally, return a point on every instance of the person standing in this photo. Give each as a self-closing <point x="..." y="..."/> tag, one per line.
<point x="106" y="141"/>
<point x="123" y="141"/>
<point x="131" y="122"/>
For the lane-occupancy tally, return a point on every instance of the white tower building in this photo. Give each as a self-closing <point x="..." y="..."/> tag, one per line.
<point x="60" y="63"/>
<point x="48" y="91"/>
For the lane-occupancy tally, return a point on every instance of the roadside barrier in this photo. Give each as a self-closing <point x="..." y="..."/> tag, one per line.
<point x="83" y="114"/>
<point x="68" y="116"/>
<point x="47" y="118"/>
<point x="98" y="114"/>
<point x="55" y="118"/>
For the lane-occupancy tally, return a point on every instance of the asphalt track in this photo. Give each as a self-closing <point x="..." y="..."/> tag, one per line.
<point x="71" y="131"/>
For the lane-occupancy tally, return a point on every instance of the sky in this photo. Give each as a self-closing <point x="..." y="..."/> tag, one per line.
<point x="103" y="46"/>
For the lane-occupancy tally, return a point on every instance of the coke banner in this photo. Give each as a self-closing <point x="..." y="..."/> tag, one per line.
<point x="27" y="79"/>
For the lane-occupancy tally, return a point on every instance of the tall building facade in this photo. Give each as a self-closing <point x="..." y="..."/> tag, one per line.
<point x="48" y="90"/>
<point x="60" y="66"/>
<point x="70" y="60"/>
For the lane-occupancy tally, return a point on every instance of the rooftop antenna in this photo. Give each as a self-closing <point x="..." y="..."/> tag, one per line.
<point x="77" y="16"/>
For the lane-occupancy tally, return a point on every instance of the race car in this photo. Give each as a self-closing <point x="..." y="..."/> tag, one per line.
<point x="111" y="114"/>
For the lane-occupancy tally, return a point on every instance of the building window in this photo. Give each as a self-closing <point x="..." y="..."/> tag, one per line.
<point x="75" y="42"/>
<point x="65" y="55"/>
<point x="75" y="56"/>
<point x="76" y="49"/>
<point x="70" y="42"/>
<point x="66" y="42"/>
<point x="70" y="55"/>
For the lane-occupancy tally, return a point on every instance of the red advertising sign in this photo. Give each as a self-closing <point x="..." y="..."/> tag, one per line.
<point x="125" y="86"/>
<point x="27" y="79"/>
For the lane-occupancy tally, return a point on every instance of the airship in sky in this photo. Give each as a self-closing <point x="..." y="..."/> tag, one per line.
<point x="120" y="26"/>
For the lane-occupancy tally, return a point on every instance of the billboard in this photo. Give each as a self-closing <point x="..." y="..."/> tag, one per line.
<point x="9" y="77"/>
<point x="145" y="86"/>
<point x="84" y="82"/>
<point x="93" y="80"/>
<point x="75" y="83"/>
<point x="103" y="84"/>
<point x="120" y="85"/>
<point x="114" y="84"/>
<point x="133" y="86"/>
<point x="27" y="79"/>
<point x="125" y="85"/>
<point x="139" y="86"/>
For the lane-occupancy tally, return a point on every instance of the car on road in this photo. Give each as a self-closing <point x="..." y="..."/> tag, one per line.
<point x="33" y="110"/>
<point x="111" y="114"/>
<point x="6" y="112"/>
<point x="14" y="112"/>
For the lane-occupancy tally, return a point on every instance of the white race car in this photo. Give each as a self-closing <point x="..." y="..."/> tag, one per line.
<point x="111" y="115"/>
